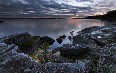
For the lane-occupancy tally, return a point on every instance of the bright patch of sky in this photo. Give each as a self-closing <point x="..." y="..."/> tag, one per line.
<point x="96" y="5"/>
<point x="85" y="3"/>
<point x="22" y="1"/>
<point x="75" y="2"/>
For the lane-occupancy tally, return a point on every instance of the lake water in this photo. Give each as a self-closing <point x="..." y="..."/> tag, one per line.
<point x="47" y="27"/>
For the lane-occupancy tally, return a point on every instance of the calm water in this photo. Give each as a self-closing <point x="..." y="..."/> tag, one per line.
<point x="48" y="27"/>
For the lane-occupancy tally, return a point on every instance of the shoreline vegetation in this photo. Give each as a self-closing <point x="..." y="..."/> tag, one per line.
<point x="109" y="16"/>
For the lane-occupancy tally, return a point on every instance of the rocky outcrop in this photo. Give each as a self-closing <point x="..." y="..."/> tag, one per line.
<point x="12" y="61"/>
<point x="99" y="36"/>
<point x="74" y="52"/>
<point x="93" y="51"/>
<point x="97" y="44"/>
<point x="27" y="43"/>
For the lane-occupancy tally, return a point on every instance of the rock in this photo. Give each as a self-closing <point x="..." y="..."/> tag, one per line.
<point x="101" y="42"/>
<point x="96" y="36"/>
<point x="24" y="41"/>
<point x="94" y="49"/>
<point x="60" y="39"/>
<point x="46" y="39"/>
<point x="97" y="44"/>
<point x="75" y="52"/>
<point x="28" y="44"/>
<point x="13" y="62"/>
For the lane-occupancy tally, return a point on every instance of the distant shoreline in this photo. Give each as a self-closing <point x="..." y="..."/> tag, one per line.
<point x="41" y="18"/>
<point x="32" y="18"/>
<point x="109" y="16"/>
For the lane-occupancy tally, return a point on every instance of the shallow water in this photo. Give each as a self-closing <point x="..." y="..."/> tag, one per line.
<point x="47" y="27"/>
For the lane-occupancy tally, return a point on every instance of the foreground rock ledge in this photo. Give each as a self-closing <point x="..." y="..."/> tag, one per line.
<point x="101" y="42"/>
<point x="13" y="62"/>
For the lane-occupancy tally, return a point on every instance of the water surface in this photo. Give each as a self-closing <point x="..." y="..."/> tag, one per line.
<point x="47" y="27"/>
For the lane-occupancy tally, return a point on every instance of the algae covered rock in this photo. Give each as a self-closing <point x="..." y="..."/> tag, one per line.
<point x="27" y="43"/>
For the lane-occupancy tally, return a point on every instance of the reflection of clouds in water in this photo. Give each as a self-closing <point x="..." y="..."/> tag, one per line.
<point x="85" y="23"/>
<point x="109" y="23"/>
<point x="50" y="27"/>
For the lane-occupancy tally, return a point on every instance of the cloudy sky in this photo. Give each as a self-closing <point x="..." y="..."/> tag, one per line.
<point x="35" y="8"/>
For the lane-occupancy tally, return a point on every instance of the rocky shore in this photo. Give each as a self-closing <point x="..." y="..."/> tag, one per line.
<point x="93" y="51"/>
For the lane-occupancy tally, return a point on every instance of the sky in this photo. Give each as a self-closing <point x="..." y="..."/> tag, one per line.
<point x="41" y="8"/>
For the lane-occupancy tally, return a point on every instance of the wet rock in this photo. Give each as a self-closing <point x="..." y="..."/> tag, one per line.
<point x="24" y="41"/>
<point x="28" y="44"/>
<point x="46" y="39"/>
<point x="60" y="39"/>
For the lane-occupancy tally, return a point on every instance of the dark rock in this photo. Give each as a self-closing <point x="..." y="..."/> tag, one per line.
<point x="13" y="62"/>
<point x="60" y="39"/>
<point x="46" y="39"/>
<point x="27" y="43"/>
<point x="75" y="52"/>
<point x="23" y="41"/>
<point x="99" y="43"/>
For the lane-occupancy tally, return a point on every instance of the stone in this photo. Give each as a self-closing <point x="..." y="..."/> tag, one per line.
<point x="93" y="54"/>
<point x="28" y="44"/>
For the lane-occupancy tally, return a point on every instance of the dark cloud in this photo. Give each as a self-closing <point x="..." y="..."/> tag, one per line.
<point x="29" y="8"/>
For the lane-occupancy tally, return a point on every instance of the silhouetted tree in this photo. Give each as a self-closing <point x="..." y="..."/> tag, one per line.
<point x="108" y="15"/>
